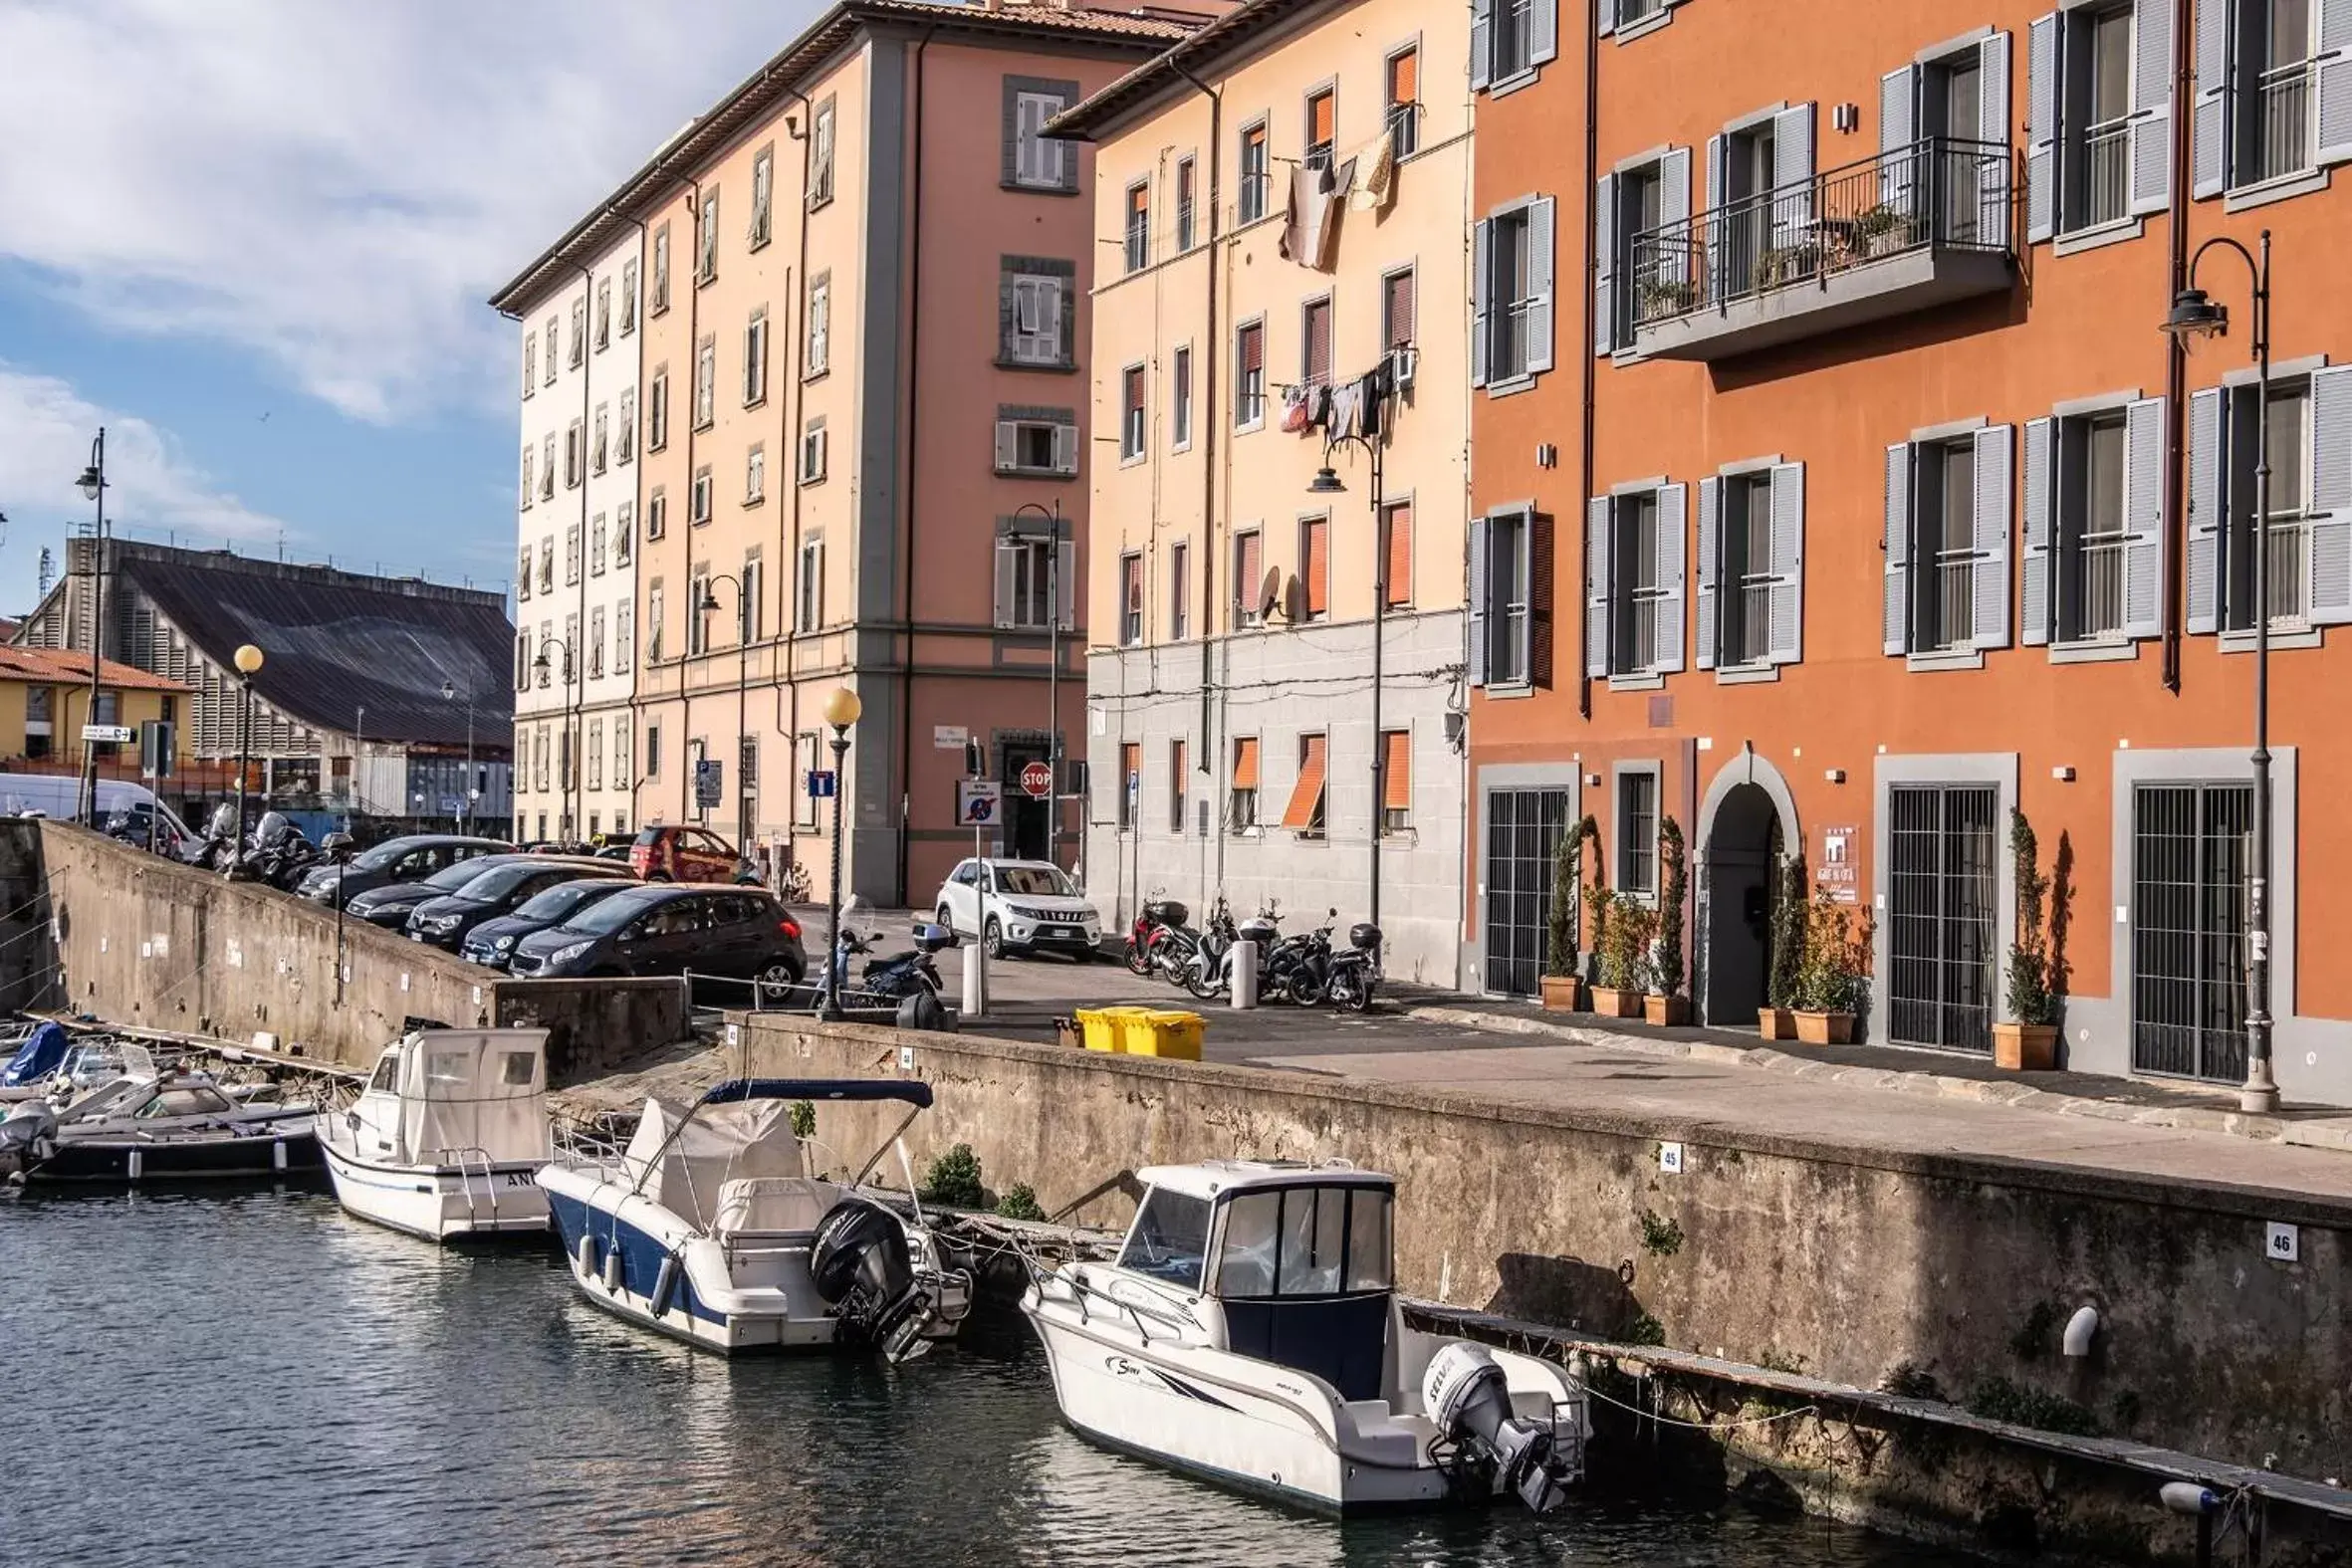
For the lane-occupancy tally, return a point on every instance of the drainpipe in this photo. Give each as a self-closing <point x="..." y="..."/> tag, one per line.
<point x="789" y="445"/>
<point x="686" y="534"/>
<point x="637" y="503"/>
<point x="1212" y="428"/>
<point x="1590" y="356"/>
<point x="572" y="797"/>
<point x="914" y="408"/>
<point x="2176" y="355"/>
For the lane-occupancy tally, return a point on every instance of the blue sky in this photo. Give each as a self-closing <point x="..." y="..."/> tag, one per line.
<point x="255" y="241"/>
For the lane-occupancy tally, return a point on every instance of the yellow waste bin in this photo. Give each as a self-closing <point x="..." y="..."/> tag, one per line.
<point x="1166" y="1033"/>
<point x="1106" y="1028"/>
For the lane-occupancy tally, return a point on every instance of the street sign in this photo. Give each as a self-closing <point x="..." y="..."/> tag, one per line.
<point x="979" y="802"/>
<point x="451" y="805"/>
<point x="156" y="743"/>
<point x="820" y="785"/>
<point x="1036" y="781"/>
<point x="106" y="734"/>
<point x="709" y="782"/>
<point x="747" y="764"/>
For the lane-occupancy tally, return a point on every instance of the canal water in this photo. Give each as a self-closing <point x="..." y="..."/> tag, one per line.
<point x="254" y="1379"/>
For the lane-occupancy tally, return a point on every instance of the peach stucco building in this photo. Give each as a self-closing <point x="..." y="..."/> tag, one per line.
<point x="1243" y="735"/>
<point x="860" y="361"/>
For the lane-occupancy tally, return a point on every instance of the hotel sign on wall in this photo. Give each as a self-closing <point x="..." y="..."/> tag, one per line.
<point x="1834" y="871"/>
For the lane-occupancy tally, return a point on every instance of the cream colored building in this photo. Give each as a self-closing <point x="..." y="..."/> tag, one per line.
<point x="1233" y="641"/>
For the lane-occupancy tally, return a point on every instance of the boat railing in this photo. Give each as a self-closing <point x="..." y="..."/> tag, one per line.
<point x="1081" y="1290"/>
<point x="594" y="1142"/>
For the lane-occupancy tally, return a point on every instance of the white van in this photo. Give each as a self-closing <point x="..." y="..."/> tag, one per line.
<point x="60" y="796"/>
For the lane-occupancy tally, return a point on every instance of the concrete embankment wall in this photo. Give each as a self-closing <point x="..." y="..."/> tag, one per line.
<point x="147" y="942"/>
<point x="1852" y="1265"/>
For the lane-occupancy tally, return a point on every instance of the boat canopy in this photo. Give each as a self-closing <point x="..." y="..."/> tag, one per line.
<point x="40" y="1057"/>
<point x="473" y="1091"/>
<point x="914" y="1091"/>
<point x="681" y="1156"/>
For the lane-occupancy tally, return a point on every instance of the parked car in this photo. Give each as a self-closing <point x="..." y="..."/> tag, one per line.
<point x="714" y="929"/>
<point x="444" y="921"/>
<point x="410" y="859"/>
<point x="389" y="907"/>
<point x="493" y="940"/>
<point x="679" y="853"/>
<point x="1024" y="906"/>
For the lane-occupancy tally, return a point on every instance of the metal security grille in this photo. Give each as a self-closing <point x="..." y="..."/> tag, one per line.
<point x="2190" y="852"/>
<point x="1524" y="830"/>
<point x="1942" y="883"/>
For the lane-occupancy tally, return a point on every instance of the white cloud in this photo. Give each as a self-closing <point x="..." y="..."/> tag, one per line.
<point x="45" y="433"/>
<point x="336" y="184"/>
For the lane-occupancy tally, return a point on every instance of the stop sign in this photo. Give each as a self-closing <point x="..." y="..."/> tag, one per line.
<point x="1036" y="781"/>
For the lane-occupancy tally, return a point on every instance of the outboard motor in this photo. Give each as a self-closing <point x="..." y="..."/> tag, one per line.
<point x="862" y="1266"/>
<point x="27" y="1138"/>
<point x="1466" y="1397"/>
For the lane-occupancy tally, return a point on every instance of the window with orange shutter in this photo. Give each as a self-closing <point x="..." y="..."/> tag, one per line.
<point x="1304" y="814"/>
<point x="1316" y="338"/>
<point x="1315" y="566"/>
<point x="1396" y="545"/>
<point x="1248" y="559"/>
<point x="1130" y="780"/>
<point x="1249" y="400"/>
<point x="1404" y="100"/>
<point x="1396" y="781"/>
<point x="1177" y="781"/>
<point x="1245" y="785"/>
<point x="1397" y="309"/>
<point x="1323" y="129"/>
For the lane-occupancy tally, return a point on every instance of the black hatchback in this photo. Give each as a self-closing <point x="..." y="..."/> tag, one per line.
<point x="406" y="859"/>
<point x="504" y="886"/>
<point x="715" y="932"/>
<point x="493" y="940"/>
<point x="389" y="907"/>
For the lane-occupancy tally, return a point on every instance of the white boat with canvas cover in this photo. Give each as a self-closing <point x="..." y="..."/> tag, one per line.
<point x="447" y="1139"/>
<point x="1250" y="1333"/>
<point x="712" y="1226"/>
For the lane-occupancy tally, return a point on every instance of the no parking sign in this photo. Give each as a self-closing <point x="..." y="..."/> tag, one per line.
<point x="979" y="802"/>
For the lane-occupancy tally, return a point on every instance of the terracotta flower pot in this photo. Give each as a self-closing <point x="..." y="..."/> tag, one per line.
<point x="1562" y="994"/>
<point x="1775" y="1024"/>
<point x="1824" y="1028"/>
<point x="2026" y="1048"/>
<point x="1611" y="1002"/>
<point x="1666" y="1010"/>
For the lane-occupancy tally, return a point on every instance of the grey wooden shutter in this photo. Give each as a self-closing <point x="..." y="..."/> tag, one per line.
<point x="1992" y="171"/>
<point x="1605" y="272"/>
<point x="1482" y="302"/>
<point x="2142" y="518"/>
<point x="1065" y="449"/>
<point x="1008" y="580"/>
<point x="1542" y="268"/>
<point x="1992" y="574"/>
<point x="2041" y="129"/>
<point x="1543" y="31"/>
<point x="1674" y="208"/>
<point x="1008" y="449"/>
<point x="1895" y="621"/>
<point x="1786" y="596"/>
<point x="2207" y="463"/>
<point x="1672" y="528"/>
<point x="1066" y="583"/>
<point x="1898" y="98"/>
<point x="2209" y="113"/>
<point x="1481" y="45"/>
<point x="1717" y="252"/>
<point x="1792" y="175"/>
<point x="2334" y="70"/>
<point x="2151" y="122"/>
<point x="2035" y="596"/>
<point x="1608" y="18"/>
<point x="2331" y="496"/>
<point x="1710" y="622"/>
<point x="1478" y="536"/>
<point x="1596" y="588"/>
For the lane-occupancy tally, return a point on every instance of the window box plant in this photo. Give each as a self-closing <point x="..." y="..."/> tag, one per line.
<point x="1665" y="1002"/>
<point x="1563" y="984"/>
<point x="1777" y="1018"/>
<point x="1665" y="297"/>
<point x="2027" y="1041"/>
<point x="1627" y="928"/>
<point x="1833" y="980"/>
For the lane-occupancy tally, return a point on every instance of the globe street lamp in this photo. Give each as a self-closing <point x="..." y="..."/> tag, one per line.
<point x="540" y="667"/>
<point x="840" y="710"/>
<point x="2196" y="314"/>
<point x="92" y="484"/>
<point x="465" y="817"/>
<point x="249" y="663"/>
<point x="1328" y="483"/>
<point x="745" y="751"/>
<point x="1051" y="521"/>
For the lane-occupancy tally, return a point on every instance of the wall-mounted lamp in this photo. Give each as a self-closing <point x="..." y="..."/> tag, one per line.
<point x="2063" y="773"/>
<point x="1836" y="775"/>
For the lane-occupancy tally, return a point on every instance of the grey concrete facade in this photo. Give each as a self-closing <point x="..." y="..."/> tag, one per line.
<point x="1277" y="686"/>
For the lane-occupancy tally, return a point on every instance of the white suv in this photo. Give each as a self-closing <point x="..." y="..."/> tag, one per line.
<point x="1025" y="906"/>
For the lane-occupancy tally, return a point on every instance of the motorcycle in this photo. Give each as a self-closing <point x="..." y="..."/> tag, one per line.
<point x="1157" y="918"/>
<point x="1355" y="970"/>
<point x="217" y="849"/>
<point x="280" y="855"/>
<point x="1205" y="966"/>
<point x="1263" y="929"/>
<point x="1298" y="967"/>
<point x="894" y="979"/>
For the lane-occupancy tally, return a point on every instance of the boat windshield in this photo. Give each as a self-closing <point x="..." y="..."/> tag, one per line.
<point x="187" y="1100"/>
<point x="1305" y="1241"/>
<point x="1169" y="1239"/>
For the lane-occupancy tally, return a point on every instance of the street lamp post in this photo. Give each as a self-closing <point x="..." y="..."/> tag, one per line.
<point x="2195" y="314"/>
<point x="94" y="485"/>
<point x="841" y="708"/>
<point x="1053" y="521"/>
<point x="540" y="667"/>
<point x="249" y="661"/>
<point x="1328" y="483"/>
<point x="465" y="794"/>
<point x="744" y="749"/>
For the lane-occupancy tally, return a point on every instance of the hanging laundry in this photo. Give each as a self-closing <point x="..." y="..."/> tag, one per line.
<point x="1371" y="394"/>
<point x="1375" y="185"/>
<point x="1312" y="221"/>
<point x="1297" y="415"/>
<point x="1347" y="411"/>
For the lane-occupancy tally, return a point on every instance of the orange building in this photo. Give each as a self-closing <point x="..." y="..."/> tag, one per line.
<point x="1834" y="455"/>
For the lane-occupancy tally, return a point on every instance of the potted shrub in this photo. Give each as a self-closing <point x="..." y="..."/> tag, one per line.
<point x="1665" y="1002"/>
<point x="1833" y="980"/>
<point x="1777" y="1020"/>
<point x="1563" y="988"/>
<point x="2029" y="1040"/>
<point x="1629" y="927"/>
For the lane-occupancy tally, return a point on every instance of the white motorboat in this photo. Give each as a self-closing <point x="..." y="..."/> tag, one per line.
<point x="712" y="1226"/>
<point x="447" y="1139"/>
<point x="146" y="1125"/>
<point x="1250" y="1333"/>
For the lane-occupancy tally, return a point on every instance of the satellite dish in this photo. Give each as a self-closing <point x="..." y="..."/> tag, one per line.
<point x="1269" y="591"/>
<point x="1295" y="599"/>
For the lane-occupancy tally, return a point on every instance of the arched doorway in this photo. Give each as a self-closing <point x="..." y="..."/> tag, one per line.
<point x="1743" y="843"/>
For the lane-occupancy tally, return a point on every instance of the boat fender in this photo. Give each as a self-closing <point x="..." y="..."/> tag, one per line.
<point x="278" y="1153"/>
<point x="585" y="1254"/>
<point x="136" y="1163"/>
<point x="665" y="1283"/>
<point x="612" y="1268"/>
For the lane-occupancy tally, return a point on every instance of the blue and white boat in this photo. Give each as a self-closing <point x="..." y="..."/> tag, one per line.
<point x="713" y="1225"/>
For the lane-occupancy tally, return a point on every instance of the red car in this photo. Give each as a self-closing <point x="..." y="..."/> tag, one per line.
<point x="683" y="854"/>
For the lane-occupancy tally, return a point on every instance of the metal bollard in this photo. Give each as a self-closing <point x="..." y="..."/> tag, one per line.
<point x="1244" y="959"/>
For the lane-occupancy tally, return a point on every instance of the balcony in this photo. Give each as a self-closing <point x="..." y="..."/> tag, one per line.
<point x="1903" y="231"/>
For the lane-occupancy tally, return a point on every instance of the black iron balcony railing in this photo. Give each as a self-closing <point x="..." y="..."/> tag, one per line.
<point x="1937" y="193"/>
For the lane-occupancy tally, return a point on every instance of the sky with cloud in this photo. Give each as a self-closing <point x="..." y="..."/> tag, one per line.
<point x="253" y="238"/>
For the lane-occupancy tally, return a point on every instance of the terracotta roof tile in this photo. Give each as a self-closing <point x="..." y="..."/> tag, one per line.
<point x="57" y="665"/>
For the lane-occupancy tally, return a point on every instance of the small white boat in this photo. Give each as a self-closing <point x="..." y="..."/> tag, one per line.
<point x="712" y="1226"/>
<point x="447" y="1139"/>
<point x="1249" y="1333"/>
<point x="146" y="1125"/>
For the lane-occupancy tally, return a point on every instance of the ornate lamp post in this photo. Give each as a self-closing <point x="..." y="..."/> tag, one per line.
<point x="249" y="661"/>
<point x="841" y="708"/>
<point x="465" y="818"/>
<point x="92" y="484"/>
<point x="743" y="747"/>
<point x="1052" y="521"/>
<point x="1328" y="483"/>
<point x="538" y="667"/>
